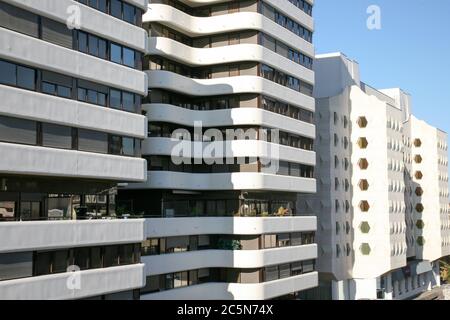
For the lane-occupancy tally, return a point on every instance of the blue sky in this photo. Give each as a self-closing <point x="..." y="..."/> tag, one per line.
<point x="411" y="51"/>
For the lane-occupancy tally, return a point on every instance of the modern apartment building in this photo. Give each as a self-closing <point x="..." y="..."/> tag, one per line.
<point x="228" y="229"/>
<point x="382" y="201"/>
<point x="71" y="128"/>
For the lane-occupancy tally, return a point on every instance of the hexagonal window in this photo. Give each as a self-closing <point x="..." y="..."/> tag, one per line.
<point x="418" y="175"/>
<point x="420" y="224"/>
<point x="362" y="122"/>
<point x="364" y="206"/>
<point x="365" y="249"/>
<point x="419" y="207"/>
<point x="418" y="158"/>
<point x="363" y="143"/>
<point x="417" y="143"/>
<point x="420" y="240"/>
<point x="363" y="185"/>
<point x="364" y="227"/>
<point x="419" y="191"/>
<point x="363" y="164"/>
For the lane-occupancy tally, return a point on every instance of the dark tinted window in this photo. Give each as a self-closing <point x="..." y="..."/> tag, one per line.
<point x="128" y="101"/>
<point x="56" y="136"/>
<point x="115" y="97"/>
<point x="116" y="8"/>
<point x="8" y="73"/>
<point x="92" y="141"/>
<point x="17" y="130"/>
<point x="128" y="13"/>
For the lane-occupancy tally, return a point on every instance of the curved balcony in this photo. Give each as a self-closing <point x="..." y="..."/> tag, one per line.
<point x="182" y="53"/>
<point x="225" y="181"/>
<point x="170" y="227"/>
<point x="203" y="26"/>
<point x="238" y="291"/>
<point x="230" y="149"/>
<point x="225" y="86"/>
<point x="157" y="112"/>
<point x="284" y="6"/>
<point x="245" y="259"/>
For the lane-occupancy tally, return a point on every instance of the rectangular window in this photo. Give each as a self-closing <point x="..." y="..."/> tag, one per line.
<point x="128" y="147"/>
<point x="26" y="78"/>
<point x="56" y="136"/>
<point x="129" y="13"/>
<point x="116" y="8"/>
<point x="102" y="49"/>
<point x="111" y="256"/>
<point x="8" y="73"/>
<point x="82" y="42"/>
<point x="115" y="145"/>
<point x="64" y="92"/>
<point x="128" y="57"/>
<point x="116" y="53"/>
<point x="92" y="141"/>
<point x="18" y="130"/>
<point x="48" y="88"/>
<point x="19" y="20"/>
<point x="128" y="101"/>
<point x="57" y="33"/>
<point x="115" y="98"/>
<point x="93" y="45"/>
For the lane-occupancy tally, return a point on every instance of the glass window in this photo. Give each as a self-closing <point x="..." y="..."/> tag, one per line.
<point x="101" y="5"/>
<point x="271" y="273"/>
<point x="128" y="146"/>
<point x="81" y="258"/>
<point x="102" y="49"/>
<point x="92" y="141"/>
<point x="92" y="96"/>
<point x="115" y="99"/>
<point x="116" y="53"/>
<point x="42" y="263"/>
<point x="81" y="94"/>
<point x="116" y="8"/>
<point x="111" y="256"/>
<point x="115" y="145"/>
<point x="128" y="13"/>
<point x="126" y="254"/>
<point x="101" y="99"/>
<point x="8" y="73"/>
<point x="128" y="101"/>
<point x="56" y="136"/>
<point x="128" y="57"/>
<point x="93" y="45"/>
<point x="95" y="259"/>
<point x="48" y="88"/>
<point x="26" y="78"/>
<point x="60" y="260"/>
<point x="82" y="42"/>
<point x="65" y="92"/>
<point x="17" y="130"/>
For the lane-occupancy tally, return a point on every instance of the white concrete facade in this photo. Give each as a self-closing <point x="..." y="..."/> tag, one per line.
<point x="382" y="200"/>
<point x="44" y="169"/>
<point x="182" y="184"/>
